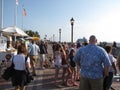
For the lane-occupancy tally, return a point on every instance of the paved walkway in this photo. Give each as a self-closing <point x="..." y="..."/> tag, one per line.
<point x="45" y="81"/>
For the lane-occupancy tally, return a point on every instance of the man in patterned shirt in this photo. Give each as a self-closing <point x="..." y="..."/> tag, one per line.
<point x="94" y="65"/>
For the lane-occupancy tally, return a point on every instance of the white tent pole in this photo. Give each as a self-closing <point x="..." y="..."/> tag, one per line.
<point x="16" y="4"/>
<point x="22" y="16"/>
<point x="1" y="16"/>
<point x="2" y="13"/>
<point x="15" y="16"/>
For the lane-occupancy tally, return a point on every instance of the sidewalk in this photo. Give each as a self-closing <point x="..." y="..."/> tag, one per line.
<point x="45" y="81"/>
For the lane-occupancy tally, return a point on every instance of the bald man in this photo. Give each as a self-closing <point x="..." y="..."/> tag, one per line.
<point x="94" y="64"/>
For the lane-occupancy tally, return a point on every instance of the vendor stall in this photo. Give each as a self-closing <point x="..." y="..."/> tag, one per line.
<point x="7" y="45"/>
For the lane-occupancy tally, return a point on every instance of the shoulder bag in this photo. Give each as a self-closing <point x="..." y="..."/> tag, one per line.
<point x="9" y="72"/>
<point x="29" y="77"/>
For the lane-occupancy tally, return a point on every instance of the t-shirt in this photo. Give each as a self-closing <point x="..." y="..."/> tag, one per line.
<point x="112" y="60"/>
<point x="58" y="58"/>
<point x="92" y="58"/>
<point x="19" y="61"/>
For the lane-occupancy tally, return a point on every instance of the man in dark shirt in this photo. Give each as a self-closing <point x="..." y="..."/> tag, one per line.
<point x="43" y="51"/>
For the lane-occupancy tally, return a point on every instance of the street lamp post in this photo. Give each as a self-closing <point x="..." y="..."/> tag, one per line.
<point x="53" y="37"/>
<point x="72" y="23"/>
<point x="59" y="35"/>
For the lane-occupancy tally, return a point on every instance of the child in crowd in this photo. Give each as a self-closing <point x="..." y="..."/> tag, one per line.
<point x="8" y="60"/>
<point x="73" y="68"/>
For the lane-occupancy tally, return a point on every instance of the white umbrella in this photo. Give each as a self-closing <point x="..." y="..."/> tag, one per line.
<point x="13" y="31"/>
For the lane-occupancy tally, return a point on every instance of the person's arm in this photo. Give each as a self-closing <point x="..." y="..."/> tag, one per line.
<point x="77" y="58"/>
<point x="106" y="61"/>
<point x="63" y="54"/>
<point x="106" y="70"/>
<point x="28" y="63"/>
<point x="114" y="67"/>
<point x="29" y="49"/>
<point x="118" y="61"/>
<point x="38" y="49"/>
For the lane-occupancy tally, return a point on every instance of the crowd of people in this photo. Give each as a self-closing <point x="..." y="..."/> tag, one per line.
<point x="93" y="65"/>
<point x="25" y="59"/>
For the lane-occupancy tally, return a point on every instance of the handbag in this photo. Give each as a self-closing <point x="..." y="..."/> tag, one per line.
<point x="9" y="72"/>
<point x="29" y="77"/>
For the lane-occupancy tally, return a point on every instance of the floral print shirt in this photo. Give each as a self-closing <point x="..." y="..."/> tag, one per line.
<point x="92" y="59"/>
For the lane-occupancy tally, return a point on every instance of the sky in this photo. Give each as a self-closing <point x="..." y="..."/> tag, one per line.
<point x="92" y="17"/>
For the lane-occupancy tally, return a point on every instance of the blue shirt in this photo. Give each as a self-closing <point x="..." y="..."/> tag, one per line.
<point x="34" y="49"/>
<point x="92" y="59"/>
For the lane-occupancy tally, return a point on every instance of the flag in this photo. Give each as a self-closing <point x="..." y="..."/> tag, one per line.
<point x="16" y="2"/>
<point x="24" y="12"/>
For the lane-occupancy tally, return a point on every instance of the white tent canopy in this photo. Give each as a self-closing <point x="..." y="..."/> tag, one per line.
<point x="13" y="31"/>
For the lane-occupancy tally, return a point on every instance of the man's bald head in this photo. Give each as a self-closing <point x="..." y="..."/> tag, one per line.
<point x="92" y="39"/>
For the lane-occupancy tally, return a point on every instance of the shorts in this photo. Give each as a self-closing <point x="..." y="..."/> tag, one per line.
<point x="91" y="84"/>
<point x="65" y="66"/>
<point x="42" y="57"/>
<point x="58" y="66"/>
<point x="33" y="59"/>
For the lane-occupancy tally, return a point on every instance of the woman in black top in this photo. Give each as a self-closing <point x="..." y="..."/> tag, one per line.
<point x="73" y="68"/>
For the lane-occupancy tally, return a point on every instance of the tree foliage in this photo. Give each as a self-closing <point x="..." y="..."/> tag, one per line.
<point x="32" y="33"/>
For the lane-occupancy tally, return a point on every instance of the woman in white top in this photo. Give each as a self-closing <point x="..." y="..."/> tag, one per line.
<point x="58" y="60"/>
<point x="19" y="79"/>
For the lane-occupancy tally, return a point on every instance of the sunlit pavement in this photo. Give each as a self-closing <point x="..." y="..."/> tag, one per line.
<point x="45" y="81"/>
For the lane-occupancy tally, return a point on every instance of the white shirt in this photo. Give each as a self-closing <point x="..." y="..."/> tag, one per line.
<point x="19" y="62"/>
<point x="58" y="59"/>
<point x="112" y="59"/>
